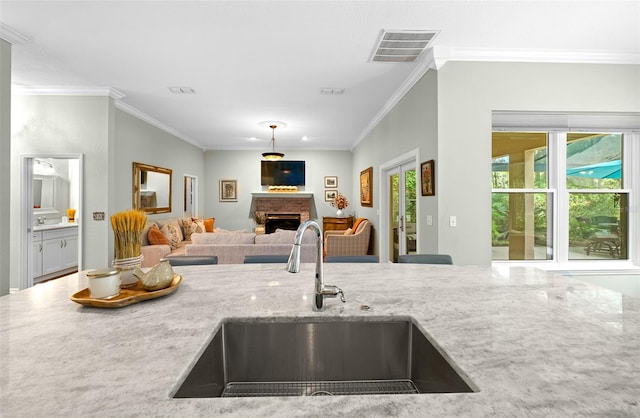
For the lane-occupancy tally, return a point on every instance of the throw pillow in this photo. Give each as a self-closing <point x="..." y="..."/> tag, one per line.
<point x="357" y="223"/>
<point x="175" y="223"/>
<point x="173" y="235"/>
<point x="198" y="226"/>
<point x="208" y="224"/>
<point x="156" y="237"/>
<point x="187" y="228"/>
<point x="349" y="231"/>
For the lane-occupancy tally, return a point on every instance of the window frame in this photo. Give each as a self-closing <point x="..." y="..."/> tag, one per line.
<point x="556" y="184"/>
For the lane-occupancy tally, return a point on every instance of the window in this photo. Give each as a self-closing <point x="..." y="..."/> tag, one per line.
<point x="521" y="201"/>
<point x="587" y="202"/>
<point x="598" y="205"/>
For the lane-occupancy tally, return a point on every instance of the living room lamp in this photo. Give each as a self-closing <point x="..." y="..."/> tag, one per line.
<point x="273" y="155"/>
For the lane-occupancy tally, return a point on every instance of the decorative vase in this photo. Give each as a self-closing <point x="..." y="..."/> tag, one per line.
<point x="71" y="214"/>
<point x="126" y="267"/>
<point x="339" y="213"/>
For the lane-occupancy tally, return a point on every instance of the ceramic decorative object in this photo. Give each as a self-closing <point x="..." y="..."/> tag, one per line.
<point x="339" y="213"/>
<point x="159" y="277"/>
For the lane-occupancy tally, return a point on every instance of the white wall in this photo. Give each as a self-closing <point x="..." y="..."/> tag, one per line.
<point x="6" y="270"/>
<point x="244" y="166"/>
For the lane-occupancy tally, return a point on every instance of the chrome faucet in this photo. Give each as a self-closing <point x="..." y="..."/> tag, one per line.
<point x="41" y="220"/>
<point x="293" y="266"/>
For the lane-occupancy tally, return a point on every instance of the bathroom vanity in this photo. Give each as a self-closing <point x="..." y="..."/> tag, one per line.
<point x="528" y="343"/>
<point x="55" y="250"/>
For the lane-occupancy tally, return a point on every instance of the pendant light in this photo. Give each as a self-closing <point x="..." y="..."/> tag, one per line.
<point x="273" y="155"/>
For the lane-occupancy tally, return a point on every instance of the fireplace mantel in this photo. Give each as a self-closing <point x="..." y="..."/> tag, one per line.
<point x="286" y="195"/>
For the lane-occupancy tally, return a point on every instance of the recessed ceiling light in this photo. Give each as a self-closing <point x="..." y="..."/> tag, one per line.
<point x="305" y="138"/>
<point x="253" y="138"/>
<point x="181" y="90"/>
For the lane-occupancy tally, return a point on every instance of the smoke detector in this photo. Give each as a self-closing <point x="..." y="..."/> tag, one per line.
<point x="402" y="45"/>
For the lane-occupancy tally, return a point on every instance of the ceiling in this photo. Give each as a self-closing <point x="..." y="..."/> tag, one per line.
<point x="251" y="61"/>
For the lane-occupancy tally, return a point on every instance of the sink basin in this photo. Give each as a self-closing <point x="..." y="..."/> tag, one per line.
<point x="320" y="356"/>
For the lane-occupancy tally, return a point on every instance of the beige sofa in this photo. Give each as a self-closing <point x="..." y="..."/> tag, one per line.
<point x="154" y="253"/>
<point x="231" y="247"/>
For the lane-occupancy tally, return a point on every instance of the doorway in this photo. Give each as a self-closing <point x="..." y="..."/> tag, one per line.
<point x="190" y="196"/>
<point x="399" y="214"/>
<point x="50" y="184"/>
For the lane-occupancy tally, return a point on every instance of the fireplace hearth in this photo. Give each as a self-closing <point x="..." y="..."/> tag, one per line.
<point x="290" y="221"/>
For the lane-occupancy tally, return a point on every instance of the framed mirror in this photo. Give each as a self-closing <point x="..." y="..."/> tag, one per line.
<point x="151" y="188"/>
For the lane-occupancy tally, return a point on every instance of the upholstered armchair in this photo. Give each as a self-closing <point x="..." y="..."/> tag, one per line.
<point x="356" y="242"/>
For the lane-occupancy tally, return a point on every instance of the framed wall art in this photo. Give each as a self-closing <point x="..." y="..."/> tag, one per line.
<point x="427" y="177"/>
<point x="330" y="195"/>
<point x="366" y="187"/>
<point x="228" y="190"/>
<point x="330" y="182"/>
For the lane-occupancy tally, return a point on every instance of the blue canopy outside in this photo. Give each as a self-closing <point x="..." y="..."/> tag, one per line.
<point x="606" y="170"/>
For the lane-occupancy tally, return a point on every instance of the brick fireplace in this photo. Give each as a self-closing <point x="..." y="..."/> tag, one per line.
<point x="283" y="203"/>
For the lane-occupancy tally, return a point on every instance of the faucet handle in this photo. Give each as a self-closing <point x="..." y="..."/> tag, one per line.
<point x="331" y="291"/>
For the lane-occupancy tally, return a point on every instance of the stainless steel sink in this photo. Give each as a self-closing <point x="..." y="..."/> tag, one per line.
<point x="320" y="356"/>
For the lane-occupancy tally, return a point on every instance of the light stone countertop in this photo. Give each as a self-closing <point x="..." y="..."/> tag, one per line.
<point x="61" y="225"/>
<point x="534" y="343"/>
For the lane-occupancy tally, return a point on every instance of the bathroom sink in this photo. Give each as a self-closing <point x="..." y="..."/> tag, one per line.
<point x="320" y="356"/>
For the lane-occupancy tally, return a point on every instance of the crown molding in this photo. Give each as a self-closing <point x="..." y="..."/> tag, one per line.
<point x="103" y="92"/>
<point x="527" y="55"/>
<point x="67" y="91"/>
<point x="155" y="122"/>
<point x="12" y="36"/>
<point x="425" y="64"/>
<point x="436" y="57"/>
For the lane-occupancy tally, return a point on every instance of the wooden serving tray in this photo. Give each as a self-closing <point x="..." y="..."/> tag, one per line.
<point x="127" y="295"/>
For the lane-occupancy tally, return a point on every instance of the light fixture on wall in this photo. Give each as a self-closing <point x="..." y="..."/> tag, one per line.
<point x="273" y="155"/>
<point x="43" y="167"/>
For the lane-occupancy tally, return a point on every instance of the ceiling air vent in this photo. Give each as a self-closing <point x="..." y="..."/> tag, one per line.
<point x="402" y="45"/>
<point x="181" y="90"/>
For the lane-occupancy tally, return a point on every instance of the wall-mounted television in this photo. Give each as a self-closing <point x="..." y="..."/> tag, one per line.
<point x="282" y="173"/>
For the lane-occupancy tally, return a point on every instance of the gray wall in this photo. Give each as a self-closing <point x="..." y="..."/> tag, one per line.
<point x="411" y="124"/>
<point x="244" y="166"/>
<point x="65" y="125"/>
<point x="5" y="165"/>
<point x="110" y="141"/>
<point x="468" y="93"/>
<point x="138" y="141"/>
<point x="447" y="114"/>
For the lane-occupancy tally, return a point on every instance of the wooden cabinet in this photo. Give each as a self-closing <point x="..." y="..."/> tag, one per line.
<point x="336" y="224"/>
